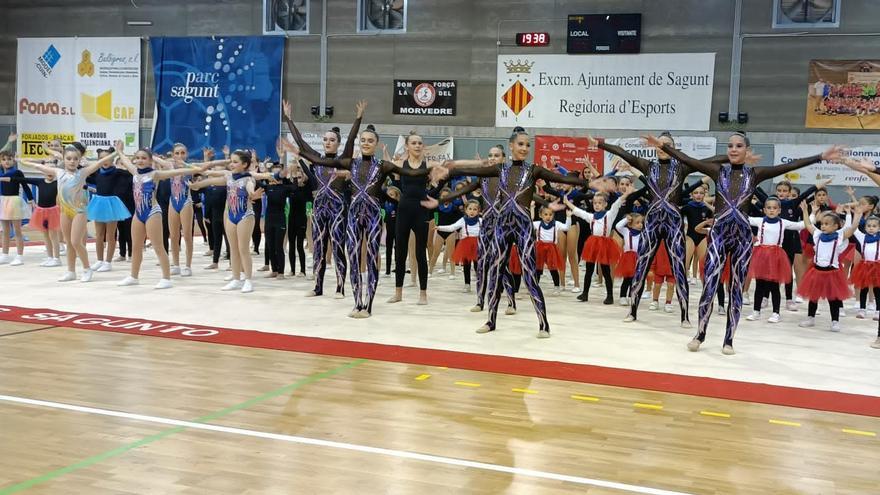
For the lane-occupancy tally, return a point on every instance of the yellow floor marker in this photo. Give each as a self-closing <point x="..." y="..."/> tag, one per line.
<point x="586" y="398"/>
<point x="783" y="423"/>
<point x="715" y="414"/>
<point x="423" y="377"/>
<point x="442" y="368"/>
<point x="468" y="384"/>
<point x="655" y="407"/>
<point x="859" y="432"/>
<point x="524" y="390"/>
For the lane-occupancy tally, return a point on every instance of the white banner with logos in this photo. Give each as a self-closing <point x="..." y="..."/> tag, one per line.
<point x="840" y="175"/>
<point x="77" y="89"/>
<point x="436" y="152"/>
<point x="697" y="147"/>
<point x="645" y="91"/>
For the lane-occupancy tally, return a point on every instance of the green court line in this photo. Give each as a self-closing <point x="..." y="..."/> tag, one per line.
<point x="24" y="485"/>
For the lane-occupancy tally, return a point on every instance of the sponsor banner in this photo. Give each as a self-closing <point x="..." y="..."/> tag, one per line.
<point x="842" y="94"/>
<point x="565" y="154"/>
<point x="431" y="98"/>
<point x="697" y="147"/>
<point x="841" y="175"/>
<point x="218" y="91"/>
<point x="77" y="89"/>
<point x="648" y="91"/>
<point x="436" y="152"/>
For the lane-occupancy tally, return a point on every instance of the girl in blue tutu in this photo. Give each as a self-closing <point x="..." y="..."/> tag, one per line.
<point x="106" y="209"/>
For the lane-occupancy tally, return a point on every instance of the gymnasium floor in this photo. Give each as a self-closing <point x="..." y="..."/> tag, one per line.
<point x="192" y="390"/>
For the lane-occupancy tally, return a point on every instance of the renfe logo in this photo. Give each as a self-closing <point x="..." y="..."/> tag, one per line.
<point x="47" y="61"/>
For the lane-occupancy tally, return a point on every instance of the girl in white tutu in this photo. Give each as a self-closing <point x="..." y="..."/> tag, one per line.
<point x="13" y="209"/>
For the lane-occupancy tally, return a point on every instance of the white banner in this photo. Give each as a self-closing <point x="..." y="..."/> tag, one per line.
<point x="840" y="175"/>
<point x="697" y="147"/>
<point x="646" y="91"/>
<point x="77" y="89"/>
<point x="436" y="152"/>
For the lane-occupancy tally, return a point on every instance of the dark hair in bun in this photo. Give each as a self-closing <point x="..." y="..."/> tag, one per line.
<point x="745" y="138"/>
<point x="76" y="146"/>
<point x="517" y="131"/>
<point x="668" y="134"/>
<point x="335" y="130"/>
<point x="244" y="156"/>
<point x="372" y="129"/>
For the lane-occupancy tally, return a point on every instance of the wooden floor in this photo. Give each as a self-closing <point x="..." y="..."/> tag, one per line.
<point x="596" y="434"/>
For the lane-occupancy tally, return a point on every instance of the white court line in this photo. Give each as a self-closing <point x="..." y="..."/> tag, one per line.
<point x="346" y="446"/>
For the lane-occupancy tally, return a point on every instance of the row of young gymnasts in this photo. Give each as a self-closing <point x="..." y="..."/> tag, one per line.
<point x="506" y="226"/>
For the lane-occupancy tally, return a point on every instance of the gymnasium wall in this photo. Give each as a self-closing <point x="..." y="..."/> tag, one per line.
<point x="457" y="39"/>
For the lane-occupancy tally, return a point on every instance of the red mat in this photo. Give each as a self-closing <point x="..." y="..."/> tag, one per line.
<point x="662" y="382"/>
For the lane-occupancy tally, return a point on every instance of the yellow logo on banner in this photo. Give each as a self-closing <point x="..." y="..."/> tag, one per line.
<point x="96" y="108"/>
<point x="86" y="67"/>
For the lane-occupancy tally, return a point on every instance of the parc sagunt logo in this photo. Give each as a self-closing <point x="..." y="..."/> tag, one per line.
<point x="517" y="96"/>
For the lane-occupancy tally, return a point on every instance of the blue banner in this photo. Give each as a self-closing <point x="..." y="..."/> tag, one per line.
<point x="218" y="91"/>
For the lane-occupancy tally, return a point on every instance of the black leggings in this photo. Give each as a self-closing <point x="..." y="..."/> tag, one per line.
<point x="789" y="287"/>
<point x="199" y="219"/>
<point x="863" y="297"/>
<point x="257" y="234"/>
<point x="275" y="247"/>
<point x="411" y="217"/>
<point x="296" y="236"/>
<point x="766" y="288"/>
<point x="554" y="274"/>
<point x="467" y="271"/>
<point x="834" y="306"/>
<point x="218" y="234"/>
<point x="390" y="235"/>
<point x="123" y="232"/>
<point x="625" y="286"/>
<point x="166" y="231"/>
<point x="606" y="275"/>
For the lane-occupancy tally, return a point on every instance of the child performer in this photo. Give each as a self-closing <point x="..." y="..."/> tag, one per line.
<point x="770" y="264"/>
<point x="239" y="221"/>
<point x="546" y="248"/>
<point x="46" y="216"/>
<point x="630" y="229"/>
<point x="72" y="196"/>
<point x="469" y="227"/>
<point x="13" y="209"/>
<point x="106" y="209"/>
<point x="866" y="274"/>
<point x="825" y="279"/>
<point x="600" y="249"/>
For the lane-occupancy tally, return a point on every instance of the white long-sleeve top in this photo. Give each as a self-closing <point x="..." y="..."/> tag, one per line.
<point x="772" y="233"/>
<point x="600" y="226"/>
<point x="463" y="228"/>
<point x="870" y="246"/>
<point x="828" y="252"/>
<point x="631" y="238"/>
<point x="549" y="234"/>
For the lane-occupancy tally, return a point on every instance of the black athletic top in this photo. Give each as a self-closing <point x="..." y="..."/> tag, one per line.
<point x="412" y="189"/>
<point x="276" y="199"/>
<point x="47" y="192"/>
<point x="106" y="181"/>
<point x="12" y="187"/>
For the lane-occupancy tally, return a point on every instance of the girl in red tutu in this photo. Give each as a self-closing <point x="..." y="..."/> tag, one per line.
<point x="661" y="267"/>
<point x="600" y="249"/>
<point x="546" y="251"/>
<point x="770" y="266"/>
<point x="866" y="274"/>
<point x="630" y="229"/>
<point x="468" y="228"/>
<point x="825" y="279"/>
<point x="46" y="216"/>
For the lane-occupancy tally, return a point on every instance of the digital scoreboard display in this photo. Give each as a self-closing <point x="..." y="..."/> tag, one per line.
<point x="604" y="33"/>
<point x="533" y="39"/>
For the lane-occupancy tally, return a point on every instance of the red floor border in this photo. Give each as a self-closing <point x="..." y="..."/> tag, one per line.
<point x="661" y="382"/>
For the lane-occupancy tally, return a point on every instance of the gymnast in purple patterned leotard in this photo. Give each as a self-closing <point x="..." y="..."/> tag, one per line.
<point x="731" y="235"/>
